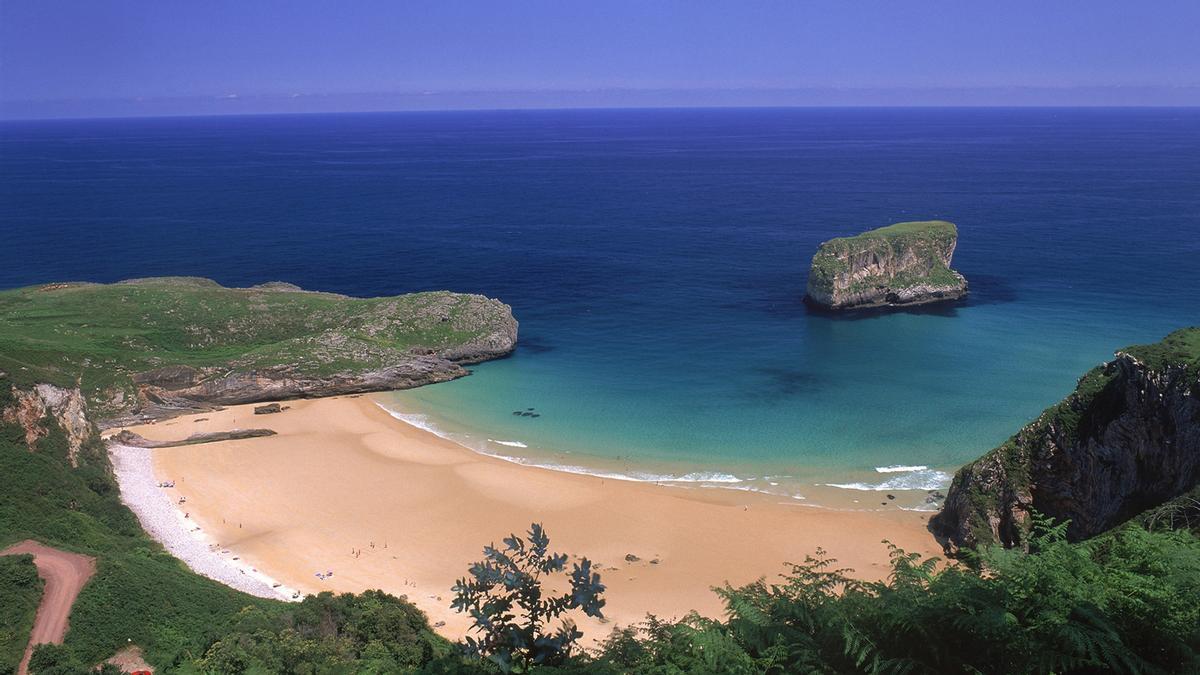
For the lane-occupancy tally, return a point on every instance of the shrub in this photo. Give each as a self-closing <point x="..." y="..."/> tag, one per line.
<point x="511" y="610"/>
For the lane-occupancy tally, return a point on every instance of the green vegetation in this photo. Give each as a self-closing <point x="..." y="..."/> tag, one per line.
<point x="512" y="614"/>
<point x="930" y="244"/>
<point x="142" y="594"/>
<point x="1181" y="347"/>
<point x="921" y="228"/>
<point x="368" y="633"/>
<point x="1098" y="399"/>
<point x="20" y="592"/>
<point x="139" y="592"/>
<point x="99" y="335"/>
<point x="1126" y="602"/>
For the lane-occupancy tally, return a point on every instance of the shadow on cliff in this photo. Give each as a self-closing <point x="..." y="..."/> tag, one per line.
<point x="985" y="289"/>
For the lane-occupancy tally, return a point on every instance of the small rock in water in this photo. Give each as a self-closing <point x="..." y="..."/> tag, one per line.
<point x="516" y="412"/>
<point x="535" y="414"/>
<point x="526" y="414"/>
<point x="529" y="409"/>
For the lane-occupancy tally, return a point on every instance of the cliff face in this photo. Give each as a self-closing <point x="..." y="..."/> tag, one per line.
<point x="175" y="390"/>
<point x="31" y="410"/>
<point x="894" y="266"/>
<point x="1126" y="440"/>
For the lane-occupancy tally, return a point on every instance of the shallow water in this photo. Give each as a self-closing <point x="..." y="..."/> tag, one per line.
<point x="657" y="259"/>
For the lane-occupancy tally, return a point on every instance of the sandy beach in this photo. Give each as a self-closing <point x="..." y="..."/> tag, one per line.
<point x="345" y="488"/>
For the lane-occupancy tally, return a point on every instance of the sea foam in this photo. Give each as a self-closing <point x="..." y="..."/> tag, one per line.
<point x="907" y="478"/>
<point x="900" y="468"/>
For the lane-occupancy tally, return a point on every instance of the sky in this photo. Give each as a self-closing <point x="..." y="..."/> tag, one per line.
<point x="113" y="57"/>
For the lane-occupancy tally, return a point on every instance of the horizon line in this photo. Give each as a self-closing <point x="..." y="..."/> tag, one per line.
<point x="615" y="108"/>
<point x="236" y="104"/>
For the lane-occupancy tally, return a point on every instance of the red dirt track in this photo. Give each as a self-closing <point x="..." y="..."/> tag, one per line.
<point x="65" y="574"/>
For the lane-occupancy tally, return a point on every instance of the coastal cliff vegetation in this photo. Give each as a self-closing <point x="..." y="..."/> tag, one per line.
<point x="1126" y="440"/>
<point x="893" y="266"/>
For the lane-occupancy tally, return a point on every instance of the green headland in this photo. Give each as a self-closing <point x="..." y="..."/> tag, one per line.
<point x="110" y="340"/>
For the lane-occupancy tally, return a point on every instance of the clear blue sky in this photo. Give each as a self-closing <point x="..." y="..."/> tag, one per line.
<point x="364" y="53"/>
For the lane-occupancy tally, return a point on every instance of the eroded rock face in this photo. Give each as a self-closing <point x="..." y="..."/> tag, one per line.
<point x="182" y="389"/>
<point x="1126" y="440"/>
<point x="895" y="266"/>
<point x="66" y="406"/>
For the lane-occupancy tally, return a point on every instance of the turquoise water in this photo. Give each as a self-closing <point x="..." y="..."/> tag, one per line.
<point x="657" y="260"/>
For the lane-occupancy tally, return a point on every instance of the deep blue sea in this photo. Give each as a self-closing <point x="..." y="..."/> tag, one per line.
<point x="656" y="260"/>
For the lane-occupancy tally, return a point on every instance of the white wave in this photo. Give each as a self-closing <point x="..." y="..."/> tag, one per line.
<point x="761" y="491"/>
<point x="900" y="468"/>
<point x="632" y="476"/>
<point x="419" y="421"/>
<point x="922" y="479"/>
<point x="511" y="444"/>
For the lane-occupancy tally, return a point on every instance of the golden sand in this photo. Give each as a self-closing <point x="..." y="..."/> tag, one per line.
<point x="344" y="487"/>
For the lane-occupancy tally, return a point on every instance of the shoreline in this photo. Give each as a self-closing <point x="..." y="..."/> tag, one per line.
<point x="163" y="520"/>
<point x="344" y="487"/>
<point x="910" y="484"/>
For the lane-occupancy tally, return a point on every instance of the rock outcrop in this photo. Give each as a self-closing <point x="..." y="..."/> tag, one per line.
<point x="899" y="265"/>
<point x="1126" y="440"/>
<point x="131" y="439"/>
<point x="30" y="409"/>
<point x="176" y="390"/>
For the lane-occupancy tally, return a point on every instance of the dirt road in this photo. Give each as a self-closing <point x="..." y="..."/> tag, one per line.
<point x="65" y="574"/>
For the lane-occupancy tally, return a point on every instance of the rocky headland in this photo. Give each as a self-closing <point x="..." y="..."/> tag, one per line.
<point x="116" y="354"/>
<point x="1126" y="440"/>
<point x="895" y="266"/>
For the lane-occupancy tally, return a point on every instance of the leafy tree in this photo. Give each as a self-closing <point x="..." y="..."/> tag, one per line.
<point x="512" y="612"/>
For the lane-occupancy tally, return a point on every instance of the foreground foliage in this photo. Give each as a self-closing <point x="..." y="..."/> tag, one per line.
<point x="368" y="633"/>
<point x="20" y="591"/>
<point x="1128" y="602"/>
<point x="140" y="593"/>
<point x="512" y="612"/>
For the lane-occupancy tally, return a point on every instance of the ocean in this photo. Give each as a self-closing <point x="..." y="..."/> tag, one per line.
<point x="656" y="260"/>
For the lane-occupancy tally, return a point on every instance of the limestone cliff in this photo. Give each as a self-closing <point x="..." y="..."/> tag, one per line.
<point x="44" y="407"/>
<point x="1127" y="439"/>
<point x="894" y="266"/>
